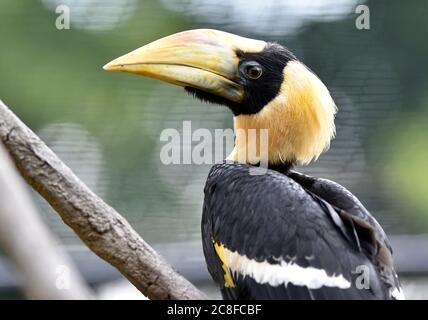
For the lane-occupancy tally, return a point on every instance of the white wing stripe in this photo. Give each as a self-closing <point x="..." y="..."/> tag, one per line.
<point x="282" y="273"/>
<point x="398" y="294"/>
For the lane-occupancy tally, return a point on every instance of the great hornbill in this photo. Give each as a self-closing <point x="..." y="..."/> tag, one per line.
<point x="282" y="234"/>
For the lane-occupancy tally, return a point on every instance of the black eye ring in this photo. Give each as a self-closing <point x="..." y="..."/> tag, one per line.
<point x="251" y="70"/>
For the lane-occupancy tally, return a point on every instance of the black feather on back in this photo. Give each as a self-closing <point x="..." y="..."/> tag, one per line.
<point x="275" y="216"/>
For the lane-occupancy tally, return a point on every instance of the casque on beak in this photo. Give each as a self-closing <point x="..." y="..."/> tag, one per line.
<point x="203" y="59"/>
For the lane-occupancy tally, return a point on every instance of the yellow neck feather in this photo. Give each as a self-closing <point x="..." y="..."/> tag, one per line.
<point x="299" y="122"/>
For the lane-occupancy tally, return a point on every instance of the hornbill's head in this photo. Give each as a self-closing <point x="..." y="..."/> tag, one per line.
<point x="262" y="83"/>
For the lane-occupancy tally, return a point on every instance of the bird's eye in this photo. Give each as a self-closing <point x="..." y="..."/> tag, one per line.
<point x="252" y="70"/>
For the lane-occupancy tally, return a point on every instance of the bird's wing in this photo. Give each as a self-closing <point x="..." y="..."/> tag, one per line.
<point x="266" y="237"/>
<point x="368" y="232"/>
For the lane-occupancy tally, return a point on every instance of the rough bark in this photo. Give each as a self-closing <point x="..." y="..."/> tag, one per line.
<point x="99" y="226"/>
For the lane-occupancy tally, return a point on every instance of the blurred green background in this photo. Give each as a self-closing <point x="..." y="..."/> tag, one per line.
<point x="106" y="126"/>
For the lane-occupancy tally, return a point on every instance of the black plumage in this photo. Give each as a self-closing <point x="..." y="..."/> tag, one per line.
<point x="292" y="217"/>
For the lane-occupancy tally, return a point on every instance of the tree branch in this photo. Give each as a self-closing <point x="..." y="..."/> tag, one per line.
<point x="47" y="271"/>
<point x="97" y="224"/>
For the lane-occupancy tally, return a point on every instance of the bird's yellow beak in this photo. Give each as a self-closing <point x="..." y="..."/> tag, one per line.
<point x="203" y="59"/>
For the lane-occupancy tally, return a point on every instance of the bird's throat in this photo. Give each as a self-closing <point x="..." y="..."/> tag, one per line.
<point x="296" y="126"/>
